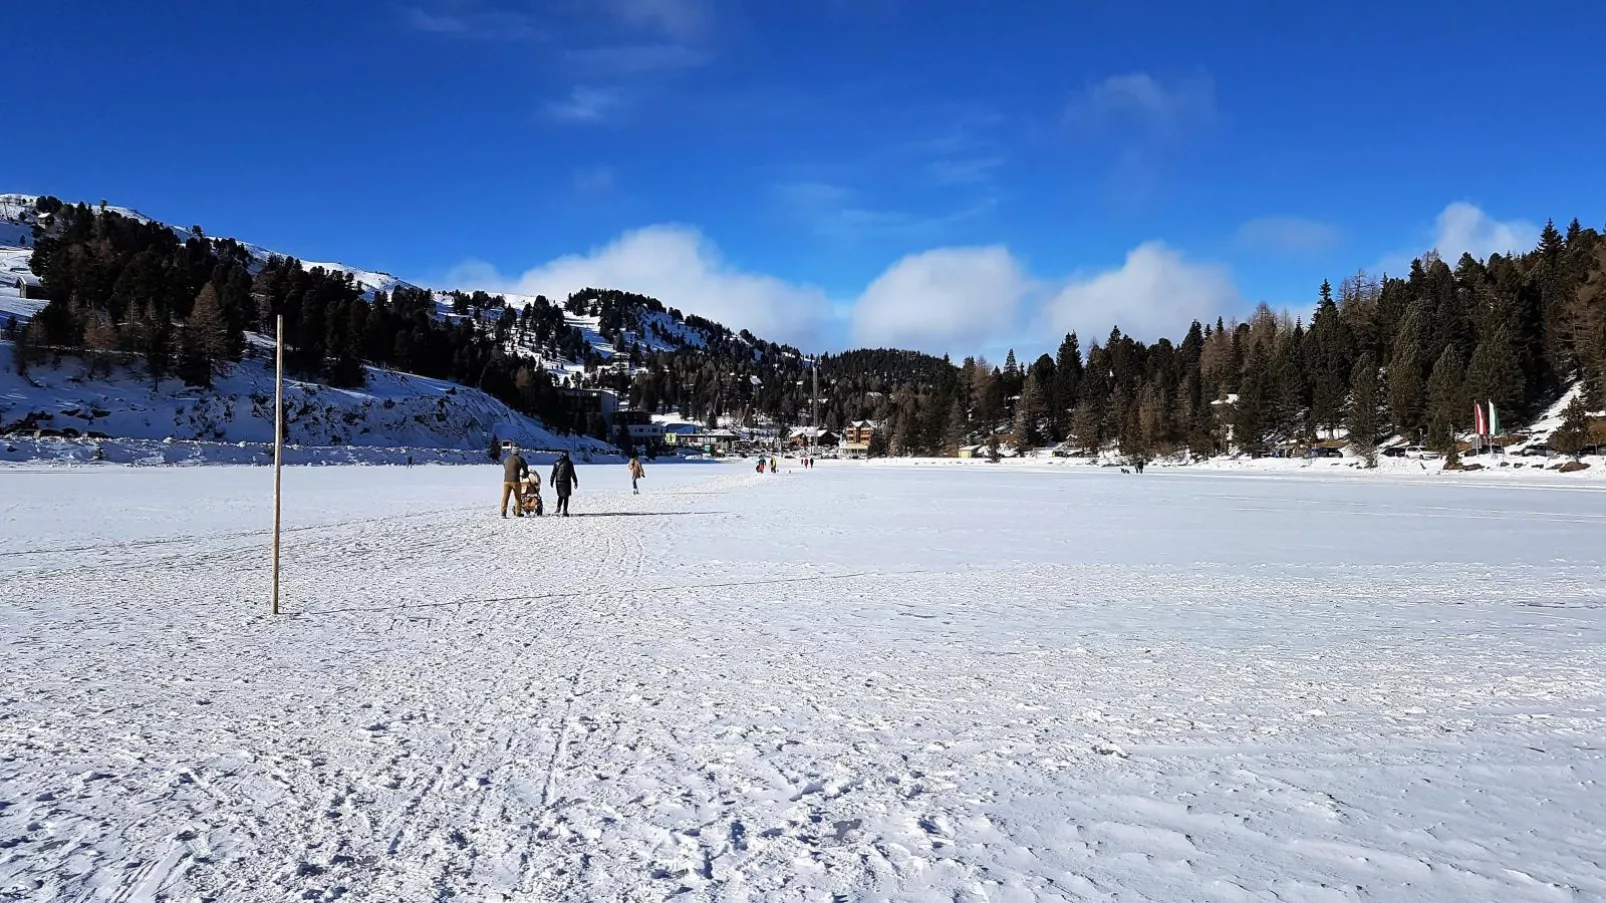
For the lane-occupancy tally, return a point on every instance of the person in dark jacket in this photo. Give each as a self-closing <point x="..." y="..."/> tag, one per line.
<point x="564" y="480"/>
<point x="514" y="470"/>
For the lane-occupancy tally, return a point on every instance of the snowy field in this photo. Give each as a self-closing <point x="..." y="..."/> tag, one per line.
<point x="856" y="683"/>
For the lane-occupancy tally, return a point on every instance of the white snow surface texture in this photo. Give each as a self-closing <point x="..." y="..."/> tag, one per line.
<point x="855" y="683"/>
<point x="394" y="410"/>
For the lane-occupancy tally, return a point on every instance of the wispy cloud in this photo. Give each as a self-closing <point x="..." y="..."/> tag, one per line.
<point x="1140" y="102"/>
<point x="586" y="105"/>
<point x="595" y="181"/>
<point x="1290" y="234"/>
<point x="679" y="19"/>
<point x="1144" y="122"/>
<point x="971" y="171"/>
<point x="835" y="212"/>
<point x="471" y="21"/>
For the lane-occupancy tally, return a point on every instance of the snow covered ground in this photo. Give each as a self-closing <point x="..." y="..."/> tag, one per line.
<point x="1511" y="469"/>
<point x="395" y="413"/>
<point x="863" y="682"/>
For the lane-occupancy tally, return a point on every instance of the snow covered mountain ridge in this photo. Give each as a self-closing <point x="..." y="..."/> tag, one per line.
<point x="595" y="338"/>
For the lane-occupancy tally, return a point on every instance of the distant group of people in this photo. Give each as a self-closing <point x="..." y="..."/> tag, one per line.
<point x="773" y="466"/>
<point x="518" y="484"/>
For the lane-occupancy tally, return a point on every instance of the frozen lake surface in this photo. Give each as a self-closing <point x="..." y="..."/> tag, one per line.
<point x="874" y="682"/>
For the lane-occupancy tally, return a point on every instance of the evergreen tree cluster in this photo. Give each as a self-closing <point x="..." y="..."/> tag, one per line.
<point x="125" y="286"/>
<point x="1392" y="356"/>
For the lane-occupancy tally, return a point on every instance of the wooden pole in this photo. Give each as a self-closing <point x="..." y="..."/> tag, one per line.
<point x="814" y="411"/>
<point x="278" y="449"/>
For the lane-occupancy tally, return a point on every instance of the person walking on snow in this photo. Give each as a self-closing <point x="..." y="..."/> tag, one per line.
<point x="514" y="470"/>
<point x="637" y="472"/>
<point x="564" y="480"/>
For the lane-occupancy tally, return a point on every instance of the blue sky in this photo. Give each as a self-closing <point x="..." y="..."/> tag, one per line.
<point x="944" y="174"/>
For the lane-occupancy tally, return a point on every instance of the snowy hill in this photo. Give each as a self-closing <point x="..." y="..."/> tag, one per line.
<point x="594" y="338"/>
<point x="19" y="214"/>
<point x="393" y="410"/>
<point x="604" y="323"/>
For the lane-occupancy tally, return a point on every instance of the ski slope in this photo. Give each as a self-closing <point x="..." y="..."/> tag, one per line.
<point x="855" y="683"/>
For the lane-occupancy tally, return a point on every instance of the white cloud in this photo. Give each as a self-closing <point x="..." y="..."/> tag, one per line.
<point x="585" y="105"/>
<point x="1463" y="228"/>
<point x="1155" y="292"/>
<point x="683" y="269"/>
<point x="1290" y="234"/>
<point x="953" y="300"/>
<point x="1154" y="106"/>
<point x="949" y="299"/>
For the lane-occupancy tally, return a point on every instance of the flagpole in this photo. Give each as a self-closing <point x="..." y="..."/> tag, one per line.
<point x="278" y="449"/>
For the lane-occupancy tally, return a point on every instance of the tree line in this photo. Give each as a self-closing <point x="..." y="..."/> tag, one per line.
<point x="1405" y="355"/>
<point x="1394" y="355"/>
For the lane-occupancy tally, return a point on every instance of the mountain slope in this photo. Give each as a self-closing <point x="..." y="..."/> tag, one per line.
<point x="131" y="288"/>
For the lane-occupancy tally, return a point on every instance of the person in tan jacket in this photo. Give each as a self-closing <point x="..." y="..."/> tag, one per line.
<point x="514" y="470"/>
<point x="637" y="472"/>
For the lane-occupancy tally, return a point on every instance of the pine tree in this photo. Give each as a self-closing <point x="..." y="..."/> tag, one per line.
<point x="204" y="341"/>
<point x="1494" y="375"/>
<point x="22" y="346"/>
<point x="1407" y="392"/>
<point x="1029" y="413"/>
<point x="1088" y="426"/>
<point x="155" y="338"/>
<point x="1326" y="359"/>
<point x="1551" y="243"/>
<point x="1250" y="414"/>
<point x="878" y="444"/>
<point x="1067" y="381"/>
<point x="1447" y="400"/>
<point x="955" y="434"/>
<point x="1154" y="422"/>
<point x="1363" y="404"/>
<point x="984" y="395"/>
<point x="101" y="340"/>
<point x="1573" y="434"/>
<point x="1291" y="402"/>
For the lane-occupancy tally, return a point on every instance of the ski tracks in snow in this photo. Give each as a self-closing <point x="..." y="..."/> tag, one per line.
<point x="804" y="687"/>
